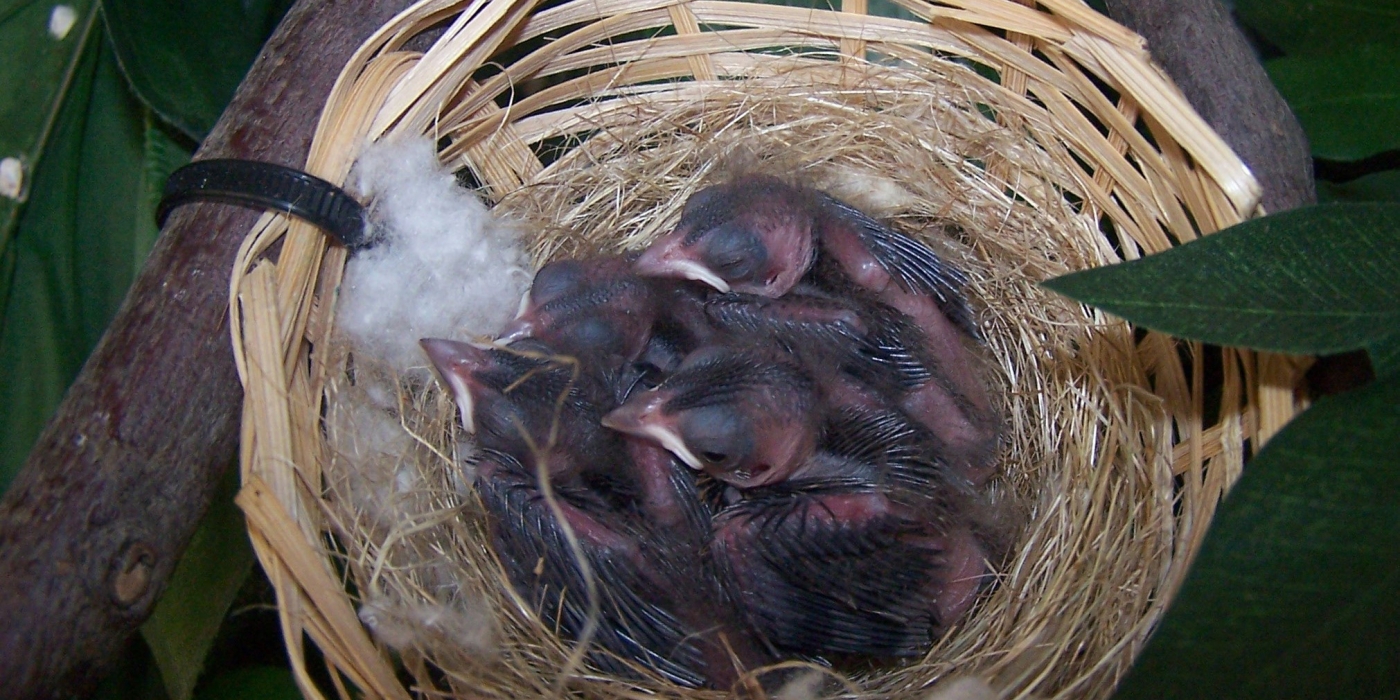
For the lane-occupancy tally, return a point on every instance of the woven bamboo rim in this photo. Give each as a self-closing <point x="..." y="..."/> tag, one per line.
<point x="1076" y="84"/>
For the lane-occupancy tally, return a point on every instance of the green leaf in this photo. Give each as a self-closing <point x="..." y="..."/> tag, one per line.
<point x="185" y="59"/>
<point x="1317" y="280"/>
<point x="1385" y="355"/>
<point x="182" y="629"/>
<point x="78" y="243"/>
<point x="132" y="675"/>
<point x="1377" y="187"/>
<point x="1348" y="103"/>
<point x="1293" y="594"/>
<point x="1300" y="27"/>
<point x="32" y="88"/>
<point x="252" y="683"/>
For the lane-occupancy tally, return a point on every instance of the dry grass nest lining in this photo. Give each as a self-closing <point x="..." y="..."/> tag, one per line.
<point x="1088" y="449"/>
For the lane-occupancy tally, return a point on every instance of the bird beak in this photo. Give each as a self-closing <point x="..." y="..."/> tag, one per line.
<point x="455" y="363"/>
<point x="668" y="258"/>
<point x="521" y="327"/>
<point x="642" y="417"/>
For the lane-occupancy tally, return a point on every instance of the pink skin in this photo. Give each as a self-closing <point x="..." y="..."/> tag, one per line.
<point x="968" y="426"/>
<point x="788" y="239"/>
<point x="966" y="575"/>
<point x="843" y="245"/>
<point x="594" y="534"/>
<point x="784" y="445"/>
<point x="669" y="257"/>
<point x="660" y="501"/>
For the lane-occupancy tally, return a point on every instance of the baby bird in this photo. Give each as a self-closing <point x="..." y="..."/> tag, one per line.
<point x="747" y="414"/>
<point x="834" y="566"/>
<point x="751" y="415"/>
<point x="759" y="235"/>
<point x="599" y="307"/>
<point x="881" y="348"/>
<point x="635" y="515"/>
<point x="751" y="408"/>
<point x="595" y="306"/>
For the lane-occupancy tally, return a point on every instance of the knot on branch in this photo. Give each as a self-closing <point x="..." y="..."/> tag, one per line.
<point x="132" y="574"/>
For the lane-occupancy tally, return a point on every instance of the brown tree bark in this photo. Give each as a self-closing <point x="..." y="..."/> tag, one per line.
<point x="93" y="525"/>
<point x="1208" y="57"/>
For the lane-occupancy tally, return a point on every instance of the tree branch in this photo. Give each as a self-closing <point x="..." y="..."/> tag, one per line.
<point x="1208" y="57"/>
<point x="93" y="525"/>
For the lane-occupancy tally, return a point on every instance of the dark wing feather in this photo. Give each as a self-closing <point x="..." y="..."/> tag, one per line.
<point x="885" y="352"/>
<point x="914" y="265"/>
<point x="907" y="457"/>
<point x="630" y="627"/>
<point x="817" y="585"/>
<point x="795" y="332"/>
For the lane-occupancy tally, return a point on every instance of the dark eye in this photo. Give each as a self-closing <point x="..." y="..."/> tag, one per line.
<point x="730" y="267"/>
<point x="718" y="434"/>
<point x="594" y="335"/>
<point x="734" y="251"/>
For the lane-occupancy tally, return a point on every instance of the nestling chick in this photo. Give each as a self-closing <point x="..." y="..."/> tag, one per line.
<point x="835" y="566"/>
<point x="883" y="349"/>
<point x="750" y="410"/>
<point x="745" y="413"/>
<point x="595" y="306"/>
<point x="634" y="513"/>
<point x="759" y="235"/>
<point x="599" y="307"/>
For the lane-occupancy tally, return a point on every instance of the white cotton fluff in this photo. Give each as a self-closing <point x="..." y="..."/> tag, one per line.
<point x="376" y="452"/>
<point x="806" y="685"/>
<point x="441" y="266"/>
<point x="963" y="688"/>
<point x="465" y="628"/>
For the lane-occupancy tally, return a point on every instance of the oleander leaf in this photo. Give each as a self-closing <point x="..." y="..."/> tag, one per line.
<point x="1318" y="280"/>
<point x="78" y="244"/>
<point x="186" y="59"/>
<point x="1348" y="103"/>
<point x="1300" y="27"/>
<point x="1293" y="592"/>
<point x="50" y="39"/>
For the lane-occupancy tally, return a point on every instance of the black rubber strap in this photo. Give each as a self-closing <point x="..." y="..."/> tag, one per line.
<point x="267" y="186"/>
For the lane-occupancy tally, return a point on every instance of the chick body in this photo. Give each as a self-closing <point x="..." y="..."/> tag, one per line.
<point x="636" y="517"/>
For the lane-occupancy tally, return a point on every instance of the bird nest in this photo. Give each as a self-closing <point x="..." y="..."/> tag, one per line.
<point x="1021" y="143"/>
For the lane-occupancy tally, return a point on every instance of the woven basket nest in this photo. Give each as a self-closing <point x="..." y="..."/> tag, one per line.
<point x="1023" y="142"/>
